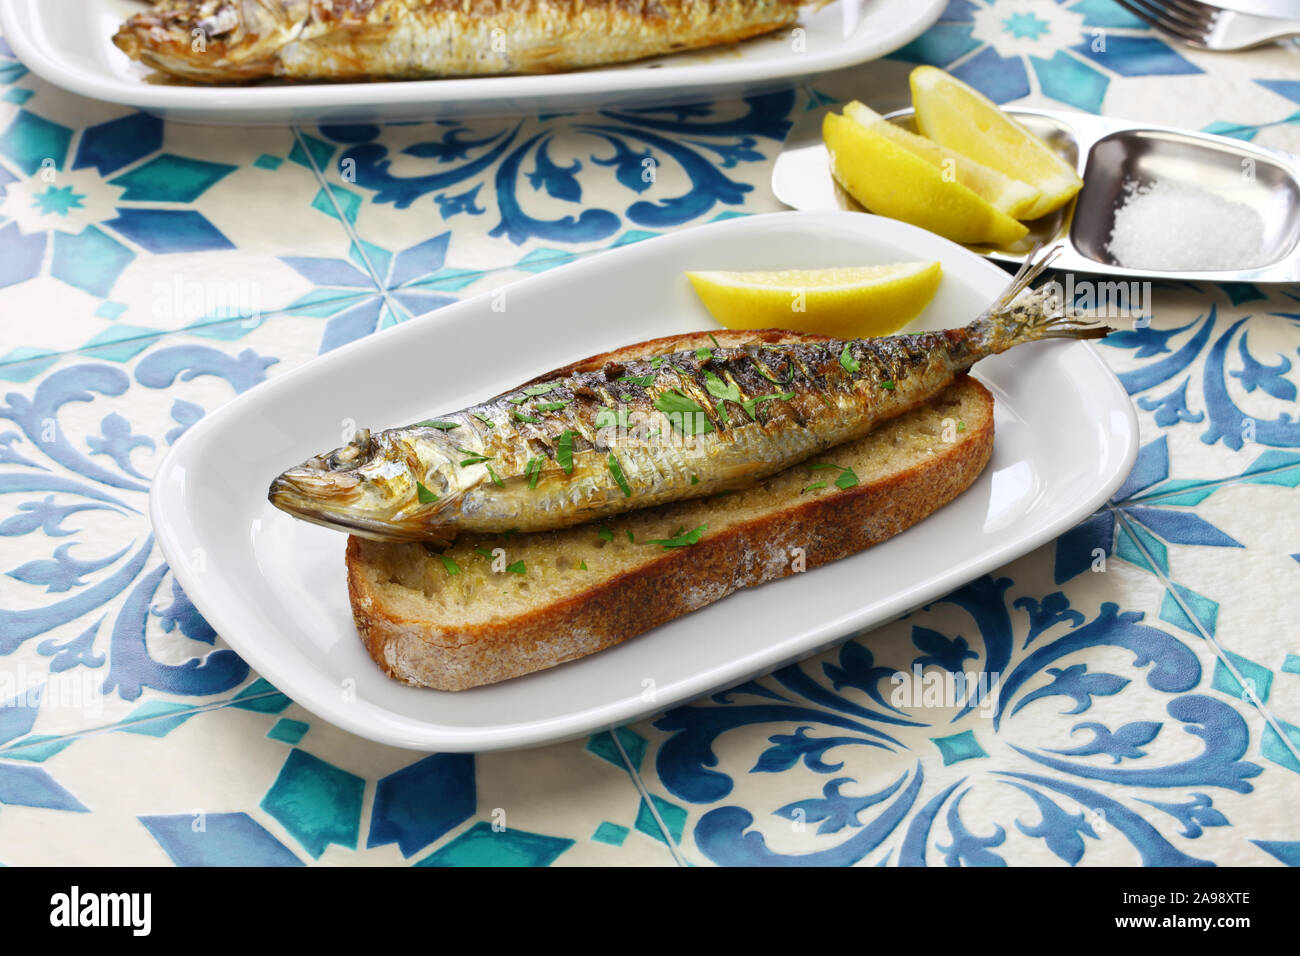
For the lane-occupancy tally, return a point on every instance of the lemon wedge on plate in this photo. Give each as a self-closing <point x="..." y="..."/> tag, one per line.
<point x="1008" y="195"/>
<point x="851" y="302"/>
<point x="962" y="119"/>
<point x="891" y="180"/>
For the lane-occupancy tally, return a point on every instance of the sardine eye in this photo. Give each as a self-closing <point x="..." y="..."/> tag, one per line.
<point x="354" y="453"/>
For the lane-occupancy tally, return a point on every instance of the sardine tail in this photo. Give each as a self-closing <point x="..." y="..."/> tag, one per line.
<point x="1021" y="316"/>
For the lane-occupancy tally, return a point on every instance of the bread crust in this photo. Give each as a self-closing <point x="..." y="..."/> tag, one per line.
<point x="451" y="655"/>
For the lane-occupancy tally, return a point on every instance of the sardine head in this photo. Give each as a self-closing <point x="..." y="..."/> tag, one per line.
<point x="221" y="40"/>
<point x="365" y="488"/>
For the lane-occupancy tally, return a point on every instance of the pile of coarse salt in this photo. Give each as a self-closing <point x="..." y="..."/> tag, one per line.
<point x="1181" y="228"/>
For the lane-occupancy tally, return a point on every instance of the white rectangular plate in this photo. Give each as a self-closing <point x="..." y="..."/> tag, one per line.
<point x="69" y="43"/>
<point x="274" y="587"/>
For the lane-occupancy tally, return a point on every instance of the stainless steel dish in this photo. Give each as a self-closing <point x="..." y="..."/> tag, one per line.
<point x="1108" y="153"/>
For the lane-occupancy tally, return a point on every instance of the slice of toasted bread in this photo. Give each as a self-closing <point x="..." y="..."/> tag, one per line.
<point x="493" y="607"/>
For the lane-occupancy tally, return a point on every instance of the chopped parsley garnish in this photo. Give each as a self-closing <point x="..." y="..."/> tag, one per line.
<point x="423" y="494"/>
<point x="695" y="479"/>
<point x="517" y="399"/>
<point x="704" y="354"/>
<point x="509" y="533"/>
<point x="789" y="366"/>
<point x="496" y="479"/>
<point x="721" y="390"/>
<point x="815" y="485"/>
<point x="433" y="423"/>
<point x="630" y="538"/>
<point x="961" y="425"/>
<point x="485" y="420"/>
<point x="564" y="451"/>
<point x="452" y="567"/>
<point x="645" y="381"/>
<point x="605" y="534"/>
<point x="541" y="389"/>
<point x="851" y="365"/>
<point x="683" y="538"/>
<point x="684" y="414"/>
<point x="475" y="458"/>
<point x="751" y="404"/>
<point x="714" y="339"/>
<point x="658" y="360"/>
<point x="484" y="552"/>
<point x="617" y="471"/>
<point x="516" y="568"/>
<point x="847" y="477"/>
<point x="583" y="565"/>
<point x="887" y="384"/>
<point x="524" y="418"/>
<point x="612" y="418"/>
<point x="532" y="471"/>
<point x="627" y="397"/>
<point x="551" y="406"/>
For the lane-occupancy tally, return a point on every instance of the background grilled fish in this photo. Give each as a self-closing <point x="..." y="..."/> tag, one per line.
<point x="590" y="444"/>
<point x="218" y="41"/>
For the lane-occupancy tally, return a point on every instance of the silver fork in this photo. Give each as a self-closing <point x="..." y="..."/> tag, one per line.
<point x="1208" y="27"/>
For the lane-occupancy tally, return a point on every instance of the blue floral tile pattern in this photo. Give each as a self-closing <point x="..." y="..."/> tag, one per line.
<point x="1127" y="694"/>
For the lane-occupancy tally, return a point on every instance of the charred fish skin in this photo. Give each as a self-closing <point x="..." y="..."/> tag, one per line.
<point x="595" y="444"/>
<point x="218" y="41"/>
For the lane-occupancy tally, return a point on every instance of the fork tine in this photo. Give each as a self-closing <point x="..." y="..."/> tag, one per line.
<point x="1138" y="12"/>
<point x="1193" y="12"/>
<point x="1156" y="16"/>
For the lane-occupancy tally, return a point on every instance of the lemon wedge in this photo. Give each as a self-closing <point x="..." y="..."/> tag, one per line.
<point x="852" y="302"/>
<point x="963" y="119"/>
<point x="1008" y="195"/>
<point x="891" y="180"/>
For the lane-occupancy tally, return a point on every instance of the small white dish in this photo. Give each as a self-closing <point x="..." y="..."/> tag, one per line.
<point x="69" y="43"/>
<point x="274" y="587"/>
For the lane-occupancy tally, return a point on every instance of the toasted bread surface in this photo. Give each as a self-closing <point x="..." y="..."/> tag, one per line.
<point x="494" y="607"/>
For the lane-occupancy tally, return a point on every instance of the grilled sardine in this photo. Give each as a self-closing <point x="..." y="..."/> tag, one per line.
<point x="218" y="41"/>
<point x="591" y="444"/>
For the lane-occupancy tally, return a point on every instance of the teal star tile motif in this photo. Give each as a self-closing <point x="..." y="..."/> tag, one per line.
<point x="482" y="846"/>
<point x="268" y="162"/>
<point x="1292" y="663"/>
<point x="1025" y="25"/>
<point x="958" y="747"/>
<point x="57" y="200"/>
<point x="317" y="802"/>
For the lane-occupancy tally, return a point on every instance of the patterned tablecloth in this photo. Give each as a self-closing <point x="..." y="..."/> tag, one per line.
<point x="1149" y="658"/>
